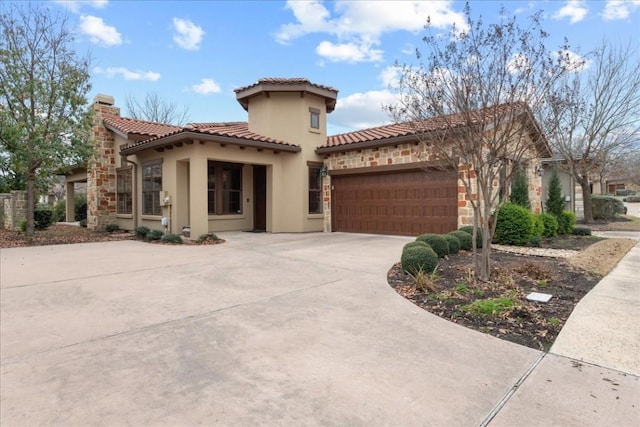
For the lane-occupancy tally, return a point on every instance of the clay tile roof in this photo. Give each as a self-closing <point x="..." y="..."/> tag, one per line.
<point x="140" y="127"/>
<point x="237" y="131"/>
<point x="397" y="130"/>
<point x="285" y="81"/>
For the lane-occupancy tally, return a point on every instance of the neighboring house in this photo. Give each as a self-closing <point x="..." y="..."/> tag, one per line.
<point x="278" y="172"/>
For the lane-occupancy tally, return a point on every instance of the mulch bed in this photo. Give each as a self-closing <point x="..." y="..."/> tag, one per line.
<point x="513" y="276"/>
<point x="58" y="234"/>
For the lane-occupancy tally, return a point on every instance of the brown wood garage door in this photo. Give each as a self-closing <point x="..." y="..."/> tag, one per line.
<point x="402" y="203"/>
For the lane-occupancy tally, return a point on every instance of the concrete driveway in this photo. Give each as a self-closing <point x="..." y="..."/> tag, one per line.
<point x="285" y="329"/>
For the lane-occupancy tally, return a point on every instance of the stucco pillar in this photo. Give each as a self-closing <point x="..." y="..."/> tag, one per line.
<point x="198" y="209"/>
<point x="70" y="202"/>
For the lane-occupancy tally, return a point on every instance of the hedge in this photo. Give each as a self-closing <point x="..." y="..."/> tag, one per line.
<point x="514" y="225"/>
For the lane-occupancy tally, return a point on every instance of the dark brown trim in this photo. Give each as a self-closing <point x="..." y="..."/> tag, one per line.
<point x="391" y="168"/>
<point x="311" y="163"/>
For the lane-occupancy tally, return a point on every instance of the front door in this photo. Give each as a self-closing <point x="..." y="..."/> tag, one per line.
<point x="259" y="198"/>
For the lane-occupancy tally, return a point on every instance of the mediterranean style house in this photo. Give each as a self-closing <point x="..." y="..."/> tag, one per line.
<point x="277" y="172"/>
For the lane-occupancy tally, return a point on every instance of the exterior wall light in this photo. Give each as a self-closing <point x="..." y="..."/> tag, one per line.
<point x="539" y="171"/>
<point x="324" y="171"/>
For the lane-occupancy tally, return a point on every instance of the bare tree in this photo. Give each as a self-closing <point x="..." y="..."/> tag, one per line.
<point x="594" y="115"/>
<point x="44" y="123"/>
<point x="156" y="109"/>
<point x="475" y="83"/>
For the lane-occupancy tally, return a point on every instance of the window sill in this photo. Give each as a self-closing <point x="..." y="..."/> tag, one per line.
<point x="315" y="216"/>
<point x="151" y="217"/>
<point x="124" y="216"/>
<point x="312" y="130"/>
<point x="226" y="217"/>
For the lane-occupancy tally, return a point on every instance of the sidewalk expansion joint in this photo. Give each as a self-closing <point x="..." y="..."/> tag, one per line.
<point x="498" y="407"/>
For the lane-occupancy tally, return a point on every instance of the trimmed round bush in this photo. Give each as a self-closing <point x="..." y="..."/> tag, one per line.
<point x="514" y="225"/>
<point x="466" y="241"/>
<point x="437" y="242"/>
<point x="606" y="207"/>
<point x="538" y="226"/>
<point x="172" y="239"/>
<point x="550" y="224"/>
<point x="417" y="258"/>
<point x="42" y="217"/>
<point x="631" y="199"/>
<point x="582" y="231"/>
<point x="416" y="243"/>
<point x="454" y="243"/>
<point x="141" y="232"/>
<point x="155" y="234"/>
<point x="566" y="222"/>
<point x="469" y="229"/>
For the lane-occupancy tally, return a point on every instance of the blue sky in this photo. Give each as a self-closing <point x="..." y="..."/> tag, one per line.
<point x="194" y="53"/>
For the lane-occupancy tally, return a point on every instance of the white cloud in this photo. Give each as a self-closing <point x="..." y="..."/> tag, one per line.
<point x="517" y="62"/>
<point x="99" y="32"/>
<point x="358" y="25"/>
<point x="363" y="110"/>
<point x="349" y="52"/>
<point x="75" y="5"/>
<point x="188" y="35"/>
<point x="206" y="87"/>
<point x="390" y="76"/>
<point x="575" y="10"/>
<point x="127" y="74"/>
<point x="615" y="9"/>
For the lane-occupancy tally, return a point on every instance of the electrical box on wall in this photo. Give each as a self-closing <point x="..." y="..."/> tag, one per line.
<point x="165" y="199"/>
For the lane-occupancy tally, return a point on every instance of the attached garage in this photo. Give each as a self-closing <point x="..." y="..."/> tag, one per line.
<point x="405" y="202"/>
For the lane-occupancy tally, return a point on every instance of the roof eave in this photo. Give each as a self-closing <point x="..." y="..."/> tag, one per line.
<point x="158" y="143"/>
<point x="329" y="96"/>
<point x="368" y="144"/>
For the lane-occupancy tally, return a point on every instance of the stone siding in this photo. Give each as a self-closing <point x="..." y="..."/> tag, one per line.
<point x="14" y="209"/>
<point x="101" y="176"/>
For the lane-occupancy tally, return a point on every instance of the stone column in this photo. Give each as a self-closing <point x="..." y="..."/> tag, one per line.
<point x="70" y="203"/>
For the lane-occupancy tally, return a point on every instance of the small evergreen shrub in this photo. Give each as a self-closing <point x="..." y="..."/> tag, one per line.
<point x="566" y="222"/>
<point x="171" y="238"/>
<point x="416" y="243"/>
<point x="555" y="202"/>
<point x="111" y="227"/>
<point x="606" y="207"/>
<point x="60" y="211"/>
<point x="80" y="207"/>
<point x="418" y="259"/>
<point x="631" y="199"/>
<point x="550" y="225"/>
<point x="466" y="241"/>
<point x="437" y="242"/>
<point x="535" y="241"/>
<point x="520" y="190"/>
<point x="469" y="229"/>
<point x="582" y="231"/>
<point x="83" y="223"/>
<point x="42" y="217"/>
<point x="208" y="237"/>
<point x="514" y="225"/>
<point x="23" y="225"/>
<point x="454" y="243"/>
<point x="155" y="234"/>
<point x="141" y="232"/>
<point x="538" y="226"/>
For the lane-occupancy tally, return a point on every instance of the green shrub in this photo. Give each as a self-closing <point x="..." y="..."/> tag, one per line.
<point x="535" y="241"/>
<point x="555" y="202"/>
<point x="437" y="242"/>
<point x="466" y="241"/>
<point x="566" y="222"/>
<point x="83" y="223"/>
<point x="23" y="225"/>
<point x="631" y="199"/>
<point x="112" y="227"/>
<point x="171" y="238"/>
<point x="550" y="225"/>
<point x="80" y="207"/>
<point x="520" y="190"/>
<point x="59" y="211"/>
<point x="42" y="217"/>
<point x="454" y="243"/>
<point x="582" y="231"/>
<point x="207" y="238"/>
<point x="141" y="232"/>
<point x="514" y="225"/>
<point x="416" y="243"/>
<point x="418" y="259"/>
<point x="538" y="226"/>
<point x="155" y="234"/>
<point x="469" y="229"/>
<point x="606" y="207"/>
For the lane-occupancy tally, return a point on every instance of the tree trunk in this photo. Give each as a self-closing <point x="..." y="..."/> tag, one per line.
<point x="586" y="200"/>
<point x="31" y="179"/>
